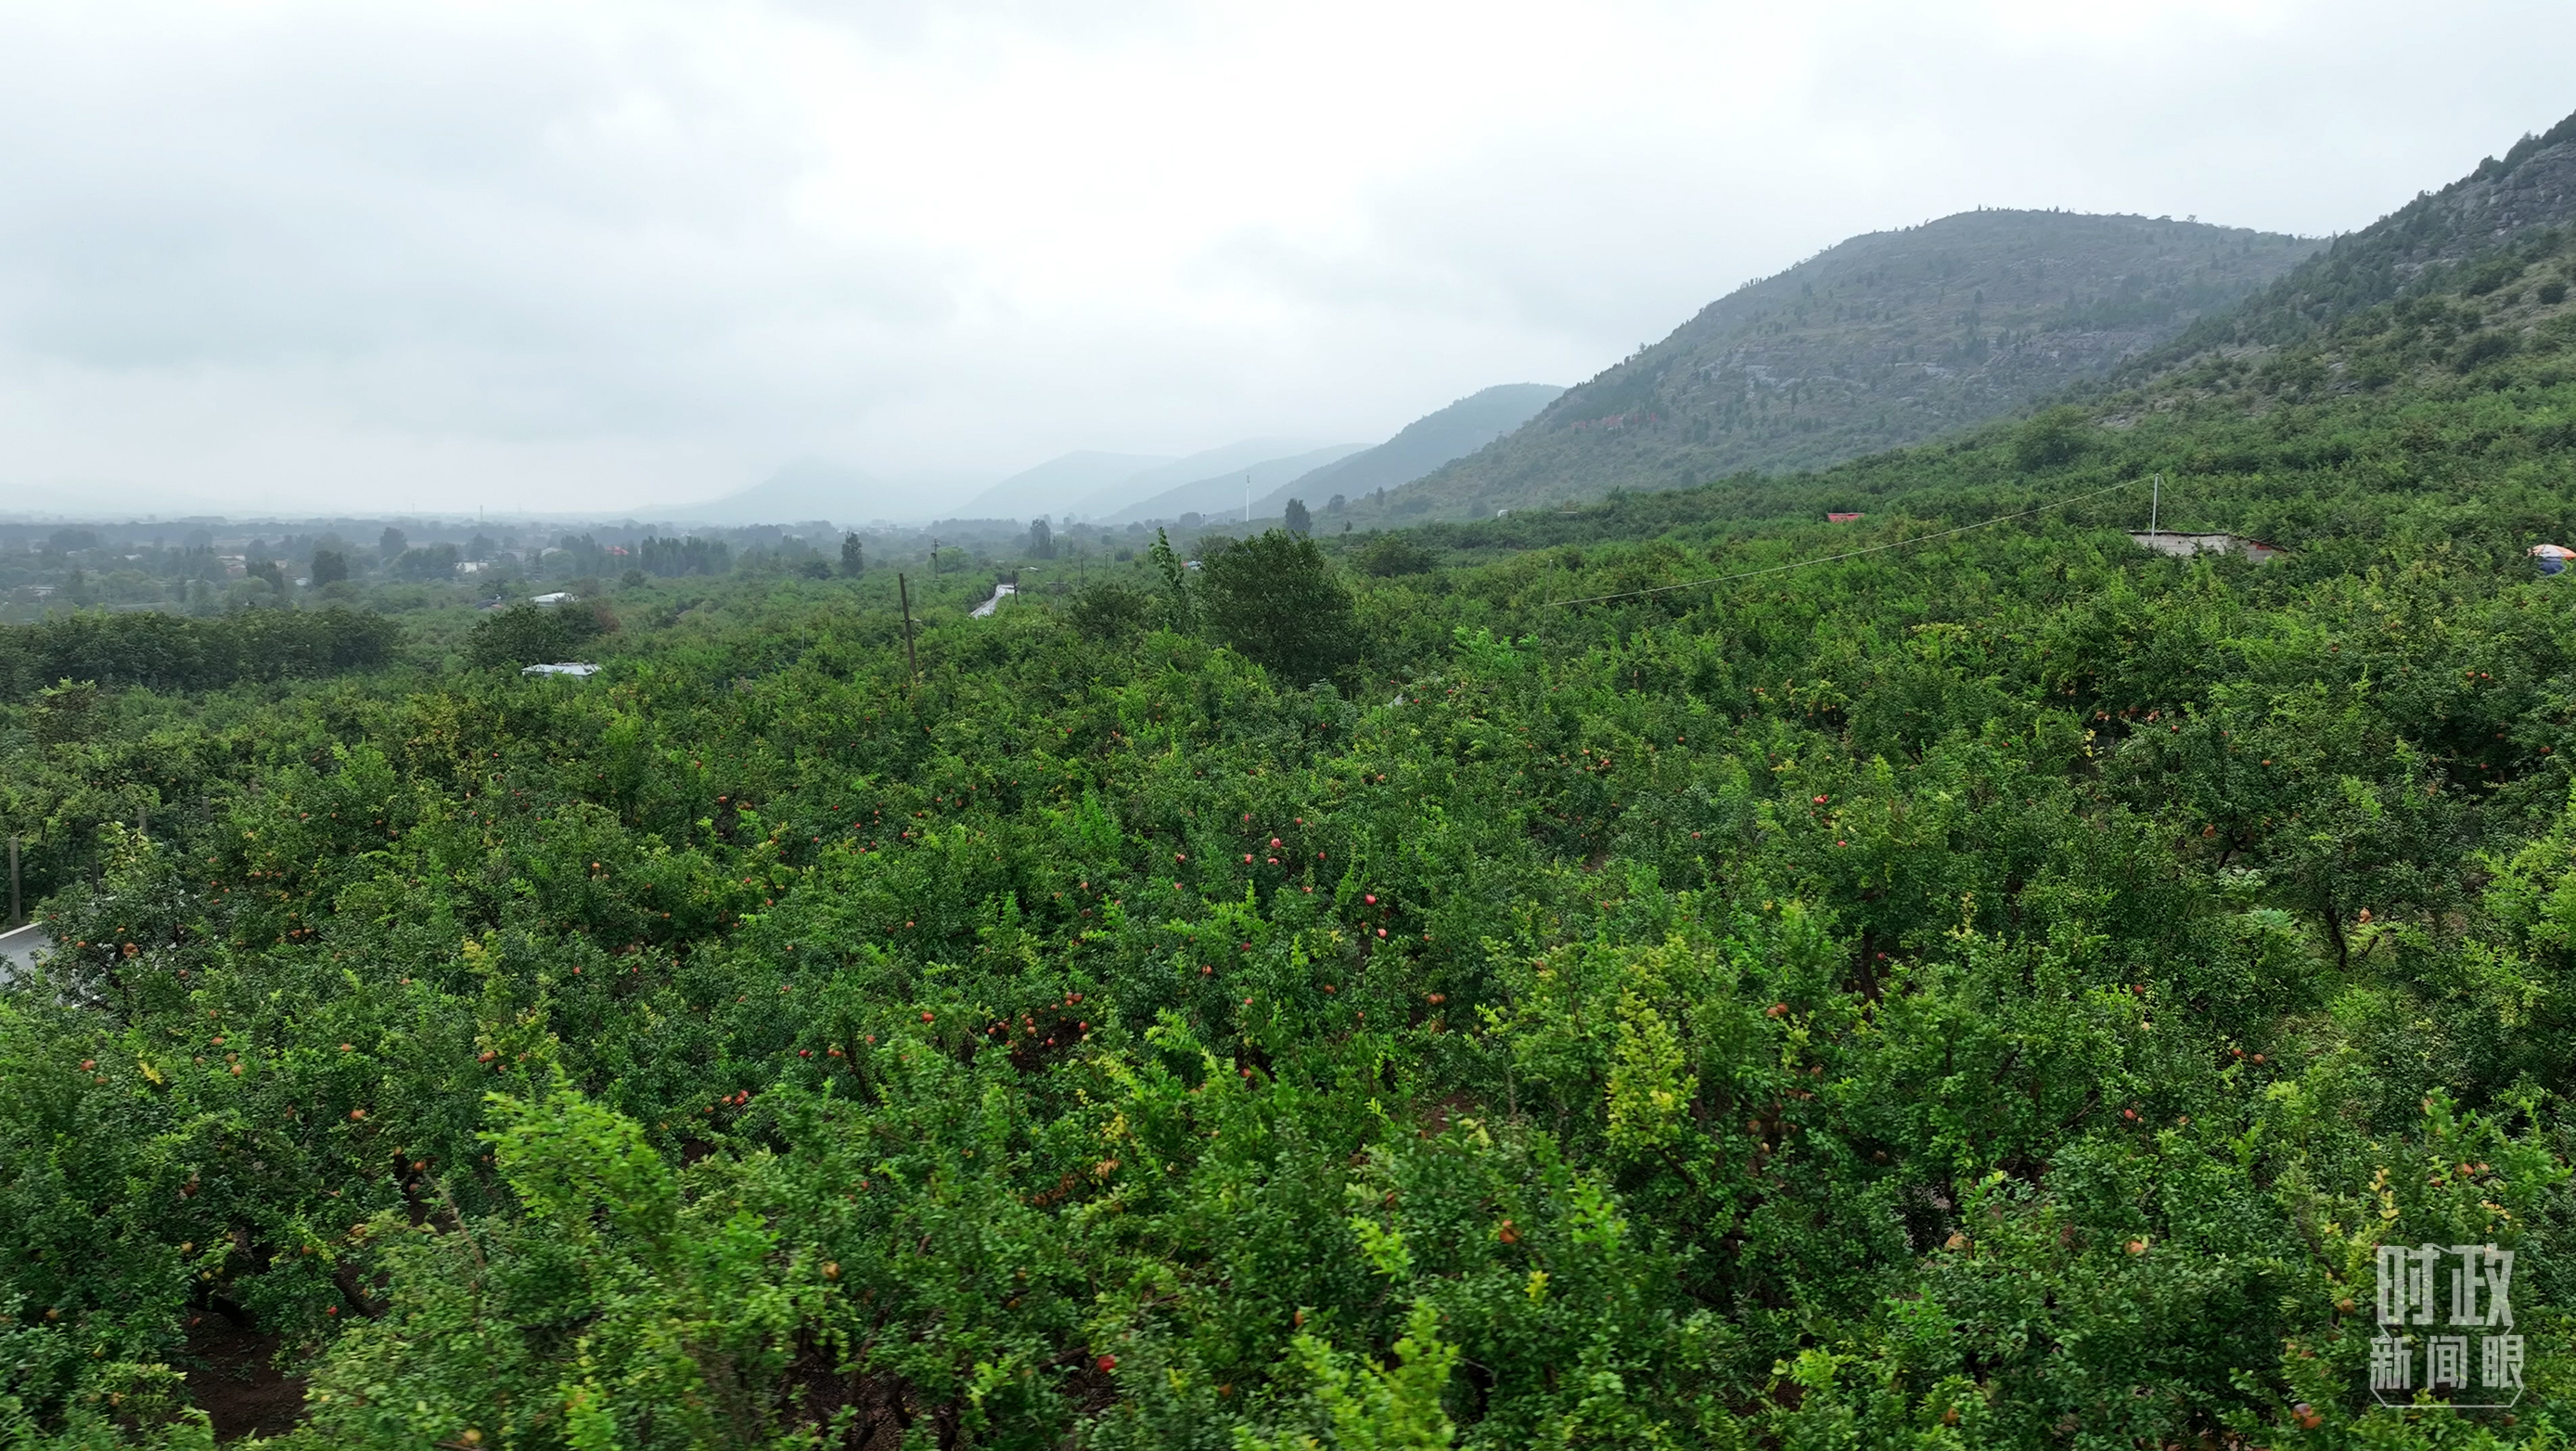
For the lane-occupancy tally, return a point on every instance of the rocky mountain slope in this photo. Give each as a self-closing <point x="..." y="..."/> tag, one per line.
<point x="2472" y="238"/>
<point x="1883" y="340"/>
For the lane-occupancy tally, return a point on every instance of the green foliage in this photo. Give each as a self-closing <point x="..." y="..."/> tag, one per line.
<point x="681" y="1315"/>
<point x="673" y="558"/>
<point x="1364" y="1408"/>
<point x="2052" y="439"/>
<point x="438" y="561"/>
<point x="1277" y="600"/>
<point x="2000" y="990"/>
<point x="165" y="652"/>
<point x="525" y="634"/>
<point x="1390" y="555"/>
<point x="1109" y="612"/>
<point x="1179" y="601"/>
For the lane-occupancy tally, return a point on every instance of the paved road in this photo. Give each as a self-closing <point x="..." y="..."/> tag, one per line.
<point x="18" y="949"/>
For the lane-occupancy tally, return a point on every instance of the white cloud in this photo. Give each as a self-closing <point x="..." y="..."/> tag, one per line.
<point x="598" y="254"/>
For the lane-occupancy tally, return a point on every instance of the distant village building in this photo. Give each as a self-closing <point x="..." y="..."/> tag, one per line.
<point x="558" y="597"/>
<point x="2183" y="546"/>
<point x="1831" y="518"/>
<point x="576" y="670"/>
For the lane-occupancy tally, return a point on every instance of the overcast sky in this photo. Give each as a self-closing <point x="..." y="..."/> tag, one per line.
<point x="535" y="255"/>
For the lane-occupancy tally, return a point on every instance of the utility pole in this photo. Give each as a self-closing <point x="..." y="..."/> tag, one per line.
<point x="1247" y="498"/>
<point x="903" y="590"/>
<point x="2155" y="506"/>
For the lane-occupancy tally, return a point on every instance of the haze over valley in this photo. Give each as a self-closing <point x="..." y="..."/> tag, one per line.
<point x="654" y="260"/>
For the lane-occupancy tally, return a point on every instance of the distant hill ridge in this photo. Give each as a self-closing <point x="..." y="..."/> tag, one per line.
<point x="1097" y="486"/>
<point x="1882" y="340"/>
<point x="806" y="489"/>
<point x="1420" y="446"/>
<point x="1224" y="493"/>
<point x="1119" y="488"/>
<point x="1063" y="482"/>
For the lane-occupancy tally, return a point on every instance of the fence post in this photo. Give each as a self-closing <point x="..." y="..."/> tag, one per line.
<point x="903" y="589"/>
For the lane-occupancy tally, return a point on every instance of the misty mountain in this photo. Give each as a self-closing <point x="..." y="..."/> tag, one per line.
<point x="809" y="488"/>
<point x="1062" y="483"/>
<point x="1419" y="447"/>
<point x="1232" y="458"/>
<point x="1882" y="340"/>
<point x="1222" y="495"/>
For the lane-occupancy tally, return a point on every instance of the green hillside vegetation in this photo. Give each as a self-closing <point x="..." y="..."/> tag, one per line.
<point x="1999" y="990"/>
<point x="1992" y="992"/>
<point x="1884" y="340"/>
<point x="2417" y="248"/>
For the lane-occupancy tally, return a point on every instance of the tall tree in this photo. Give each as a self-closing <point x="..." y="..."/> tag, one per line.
<point x="330" y="566"/>
<point x="1180" y="605"/>
<point x="1275" y="599"/>
<point x="1299" y="522"/>
<point x="853" y="555"/>
<point x="1041" y="539"/>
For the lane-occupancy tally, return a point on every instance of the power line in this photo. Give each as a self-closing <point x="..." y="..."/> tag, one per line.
<point x="1848" y="554"/>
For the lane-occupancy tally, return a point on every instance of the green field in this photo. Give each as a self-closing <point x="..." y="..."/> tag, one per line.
<point x="2003" y="989"/>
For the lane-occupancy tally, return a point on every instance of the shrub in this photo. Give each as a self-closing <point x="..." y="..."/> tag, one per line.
<point x="1109" y="611"/>
<point x="525" y="634"/>
<point x="1394" y="554"/>
<point x="1276" y="600"/>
